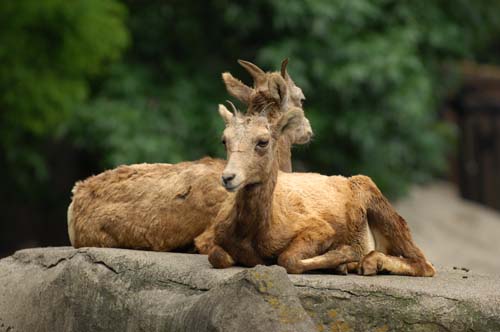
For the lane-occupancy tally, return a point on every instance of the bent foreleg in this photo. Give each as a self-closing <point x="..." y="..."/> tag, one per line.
<point x="338" y="259"/>
<point x="311" y="250"/>
<point x="205" y="241"/>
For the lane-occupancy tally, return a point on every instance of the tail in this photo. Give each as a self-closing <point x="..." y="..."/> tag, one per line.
<point x="400" y="254"/>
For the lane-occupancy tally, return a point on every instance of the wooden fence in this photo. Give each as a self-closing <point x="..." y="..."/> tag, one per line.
<point x="478" y="109"/>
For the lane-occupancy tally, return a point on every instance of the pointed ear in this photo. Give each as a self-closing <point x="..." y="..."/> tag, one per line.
<point x="284" y="72"/>
<point x="225" y="114"/>
<point x="278" y="89"/>
<point x="289" y="121"/>
<point x="236" y="88"/>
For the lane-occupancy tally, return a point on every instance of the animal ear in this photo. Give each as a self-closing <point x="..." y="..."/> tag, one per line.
<point x="252" y="69"/>
<point x="284" y="72"/>
<point x="289" y="121"/>
<point x="237" y="88"/>
<point x="225" y="114"/>
<point x="278" y="89"/>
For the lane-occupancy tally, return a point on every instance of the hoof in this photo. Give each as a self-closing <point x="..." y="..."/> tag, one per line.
<point x="370" y="264"/>
<point x="219" y="258"/>
<point x="341" y="269"/>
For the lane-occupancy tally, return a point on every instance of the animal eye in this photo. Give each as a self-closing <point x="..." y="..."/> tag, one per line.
<point x="262" y="143"/>
<point x="223" y="141"/>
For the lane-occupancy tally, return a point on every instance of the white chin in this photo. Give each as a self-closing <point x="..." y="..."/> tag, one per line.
<point x="233" y="188"/>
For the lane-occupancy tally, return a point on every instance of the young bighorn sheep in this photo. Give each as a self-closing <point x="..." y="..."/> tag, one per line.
<point x="165" y="207"/>
<point x="277" y="90"/>
<point x="303" y="221"/>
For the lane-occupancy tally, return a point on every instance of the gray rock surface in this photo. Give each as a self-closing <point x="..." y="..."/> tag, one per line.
<point x="91" y="289"/>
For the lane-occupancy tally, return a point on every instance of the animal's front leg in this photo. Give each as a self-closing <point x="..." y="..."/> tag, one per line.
<point x="205" y="241"/>
<point x="219" y="258"/>
<point x="333" y="259"/>
<point x="345" y="269"/>
<point x="309" y="243"/>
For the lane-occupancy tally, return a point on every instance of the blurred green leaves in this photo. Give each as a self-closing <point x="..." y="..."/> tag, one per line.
<point x="372" y="72"/>
<point x="374" y="78"/>
<point x="48" y="52"/>
<point x="131" y="120"/>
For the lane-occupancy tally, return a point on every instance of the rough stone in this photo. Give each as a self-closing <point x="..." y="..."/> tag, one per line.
<point x="91" y="289"/>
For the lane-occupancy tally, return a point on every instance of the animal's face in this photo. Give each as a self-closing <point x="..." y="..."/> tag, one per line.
<point x="251" y="144"/>
<point x="303" y="133"/>
<point x="249" y="147"/>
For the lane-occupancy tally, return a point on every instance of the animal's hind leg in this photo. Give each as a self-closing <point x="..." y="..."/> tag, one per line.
<point x="396" y="252"/>
<point x="376" y="262"/>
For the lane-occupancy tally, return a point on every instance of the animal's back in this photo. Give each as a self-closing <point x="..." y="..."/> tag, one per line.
<point x="149" y="206"/>
<point x="306" y="201"/>
<point x="354" y="207"/>
<point x="312" y="195"/>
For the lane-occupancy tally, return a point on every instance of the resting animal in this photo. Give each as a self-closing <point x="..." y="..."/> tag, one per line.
<point x="164" y="207"/>
<point x="303" y="221"/>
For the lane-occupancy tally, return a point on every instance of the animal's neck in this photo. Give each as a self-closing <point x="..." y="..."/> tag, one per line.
<point x="253" y="207"/>
<point x="284" y="154"/>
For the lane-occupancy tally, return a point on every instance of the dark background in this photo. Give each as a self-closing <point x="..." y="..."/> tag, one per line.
<point x="87" y="85"/>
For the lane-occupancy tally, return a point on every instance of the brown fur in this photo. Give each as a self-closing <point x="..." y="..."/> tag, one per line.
<point x="165" y="207"/>
<point x="303" y="221"/>
<point x="272" y="92"/>
<point x="126" y="207"/>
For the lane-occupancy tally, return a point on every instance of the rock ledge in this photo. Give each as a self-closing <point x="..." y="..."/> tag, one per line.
<point x="92" y="289"/>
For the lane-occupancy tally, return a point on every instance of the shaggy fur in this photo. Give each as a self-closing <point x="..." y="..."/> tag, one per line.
<point x="158" y="207"/>
<point x="303" y="221"/>
<point x="315" y="221"/>
<point x="165" y="207"/>
<point x="273" y="92"/>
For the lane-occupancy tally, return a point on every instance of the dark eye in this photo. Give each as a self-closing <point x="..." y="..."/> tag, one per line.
<point x="223" y="141"/>
<point x="262" y="143"/>
<point x="302" y="101"/>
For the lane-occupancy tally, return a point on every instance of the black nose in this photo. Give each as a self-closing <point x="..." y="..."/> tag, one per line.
<point x="226" y="178"/>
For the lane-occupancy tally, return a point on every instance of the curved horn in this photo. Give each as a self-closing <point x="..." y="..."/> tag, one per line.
<point x="252" y="69"/>
<point x="233" y="108"/>
<point x="284" y="63"/>
<point x="266" y="109"/>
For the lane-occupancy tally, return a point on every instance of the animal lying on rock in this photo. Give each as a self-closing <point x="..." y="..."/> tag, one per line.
<point x="302" y="221"/>
<point x="164" y="207"/>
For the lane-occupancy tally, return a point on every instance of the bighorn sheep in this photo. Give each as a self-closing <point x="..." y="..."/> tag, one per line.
<point x="165" y="207"/>
<point x="303" y="221"/>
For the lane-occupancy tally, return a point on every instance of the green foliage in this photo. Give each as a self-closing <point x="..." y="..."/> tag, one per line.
<point x="132" y="121"/>
<point x="374" y="79"/>
<point x="372" y="72"/>
<point x="48" y="51"/>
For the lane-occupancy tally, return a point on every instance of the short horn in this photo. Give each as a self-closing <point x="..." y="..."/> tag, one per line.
<point x="252" y="69"/>
<point x="234" y="109"/>
<point x="284" y="73"/>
